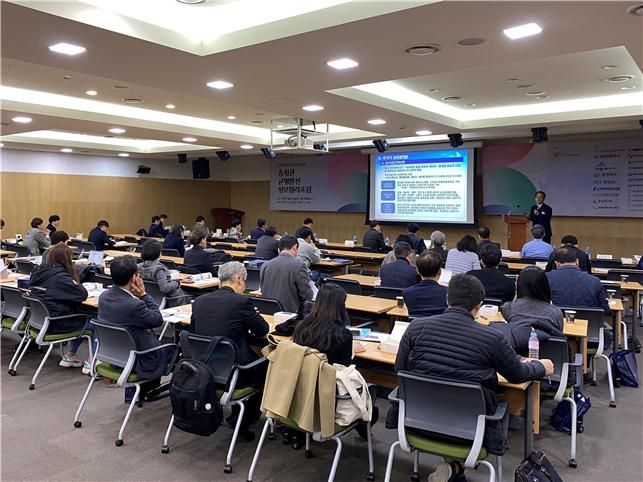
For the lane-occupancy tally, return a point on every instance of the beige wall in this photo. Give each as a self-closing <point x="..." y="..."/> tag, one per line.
<point x="126" y="202"/>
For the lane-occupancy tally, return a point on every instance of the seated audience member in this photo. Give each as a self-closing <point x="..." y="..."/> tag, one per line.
<point x="62" y="296"/>
<point x="374" y="239"/>
<point x="259" y="231"/>
<point x="151" y="269"/>
<point x="99" y="237"/>
<point x="307" y="252"/>
<point x="285" y="278"/>
<point x="197" y="258"/>
<point x="199" y="225"/>
<point x="267" y="244"/>
<point x="390" y="256"/>
<point x="174" y="240"/>
<point x="640" y="265"/>
<point x="234" y="231"/>
<point x="428" y="346"/>
<point x="228" y="312"/>
<point x="166" y="231"/>
<point x="57" y="237"/>
<point x="37" y="238"/>
<point x="400" y="273"/>
<point x="483" y="238"/>
<point x="533" y="300"/>
<point x="496" y="285"/>
<point x="572" y="287"/>
<point x="571" y="242"/>
<point x="156" y="228"/>
<point x="308" y="223"/>
<point x="54" y="221"/>
<point x="537" y="248"/>
<point x="126" y="304"/>
<point x="1" y="224"/>
<point x="438" y="244"/>
<point x="464" y="257"/>
<point x="417" y="243"/>
<point x="426" y="298"/>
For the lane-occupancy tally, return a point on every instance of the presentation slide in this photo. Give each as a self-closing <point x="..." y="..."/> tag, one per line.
<point x="428" y="186"/>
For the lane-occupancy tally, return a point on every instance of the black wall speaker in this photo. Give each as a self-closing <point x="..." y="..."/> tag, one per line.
<point x="223" y="155"/>
<point x="183" y="158"/>
<point x="201" y="168"/>
<point x="143" y="169"/>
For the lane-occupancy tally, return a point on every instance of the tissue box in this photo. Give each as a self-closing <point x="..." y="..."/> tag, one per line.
<point x="488" y="311"/>
<point x="281" y="316"/>
<point x="392" y="343"/>
<point x="323" y="241"/>
<point x="350" y="243"/>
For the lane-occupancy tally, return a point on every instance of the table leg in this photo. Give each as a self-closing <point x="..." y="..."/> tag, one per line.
<point x="615" y="332"/>
<point x="529" y="420"/>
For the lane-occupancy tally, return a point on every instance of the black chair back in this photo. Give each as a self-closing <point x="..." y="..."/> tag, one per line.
<point x="387" y="292"/>
<point x="266" y="306"/>
<point x="503" y="268"/>
<point x="362" y="249"/>
<point x="106" y="280"/>
<point x="493" y="301"/>
<point x="635" y="275"/>
<point x="170" y="252"/>
<point x="351" y="287"/>
<point x="169" y="264"/>
<point x="607" y="263"/>
<point x="594" y="317"/>
<point x="252" y="281"/>
<point x="25" y="267"/>
<point x="223" y="246"/>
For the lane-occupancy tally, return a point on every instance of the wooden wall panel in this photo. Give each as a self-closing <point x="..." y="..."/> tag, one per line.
<point x="618" y="236"/>
<point x="127" y="203"/>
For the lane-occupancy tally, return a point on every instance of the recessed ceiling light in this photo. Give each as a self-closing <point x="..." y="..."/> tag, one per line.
<point x="220" y="84"/>
<point x="170" y="106"/>
<point x="522" y="31"/>
<point x="512" y="79"/>
<point x="66" y="77"/>
<point x="123" y="154"/>
<point x="67" y="49"/>
<point x="66" y="150"/>
<point x="377" y="122"/>
<point x="189" y="139"/>
<point x="628" y="87"/>
<point x="21" y="119"/>
<point x="132" y="100"/>
<point x="1" y="144"/>
<point x="91" y="92"/>
<point x="232" y="117"/>
<point x="422" y="50"/>
<point x="524" y="86"/>
<point x="119" y="87"/>
<point x="610" y="67"/>
<point x="423" y="133"/>
<point x="246" y="146"/>
<point x="470" y="42"/>
<point x="451" y="98"/>
<point x="433" y="90"/>
<point x="540" y="92"/>
<point x="191" y="2"/>
<point x="117" y="130"/>
<point x="541" y="97"/>
<point x="342" y="64"/>
<point x="618" y="78"/>
<point x="473" y="104"/>
<point x="312" y="108"/>
<point x="256" y="122"/>
<point x="259" y="113"/>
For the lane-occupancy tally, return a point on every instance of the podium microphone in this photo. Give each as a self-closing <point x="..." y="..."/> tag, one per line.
<point x="513" y="209"/>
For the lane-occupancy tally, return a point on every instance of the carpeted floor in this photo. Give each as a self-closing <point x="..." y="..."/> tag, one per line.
<point x="39" y="441"/>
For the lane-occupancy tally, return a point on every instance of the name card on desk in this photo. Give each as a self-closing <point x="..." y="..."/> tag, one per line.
<point x="603" y="256"/>
<point x="349" y="243"/>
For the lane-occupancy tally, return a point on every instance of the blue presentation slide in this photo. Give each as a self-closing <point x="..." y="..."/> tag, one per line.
<point x="422" y="186"/>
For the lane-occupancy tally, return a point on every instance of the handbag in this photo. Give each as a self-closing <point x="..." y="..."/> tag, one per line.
<point x="561" y="417"/>
<point x="625" y="368"/>
<point x="536" y="468"/>
<point x="353" y="398"/>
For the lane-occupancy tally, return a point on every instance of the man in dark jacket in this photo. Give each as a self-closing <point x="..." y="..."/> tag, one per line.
<point x="156" y="228"/>
<point x="285" y="278"/>
<point x="267" y="245"/>
<point x="427" y="297"/>
<point x="54" y="221"/>
<point x="484" y="236"/>
<point x="571" y="242"/>
<point x="197" y="258"/>
<point x="541" y="213"/>
<point x="127" y="305"/>
<point x="417" y="243"/>
<point x="400" y="273"/>
<point x="496" y="285"/>
<point x="454" y="346"/>
<point x="99" y="236"/>
<point x="374" y="239"/>
<point x="572" y="287"/>
<point x="259" y="231"/>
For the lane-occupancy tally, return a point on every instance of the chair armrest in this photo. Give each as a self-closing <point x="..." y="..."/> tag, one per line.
<point x="499" y="414"/>
<point x="255" y="363"/>
<point x="150" y="350"/>
<point x="578" y="360"/>
<point x="393" y="395"/>
<point x="68" y="317"/>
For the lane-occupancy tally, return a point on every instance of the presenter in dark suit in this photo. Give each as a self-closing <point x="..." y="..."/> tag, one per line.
<point x="541" y="213"/>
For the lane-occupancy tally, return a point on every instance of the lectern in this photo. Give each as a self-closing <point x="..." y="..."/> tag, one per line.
<point x="516" y="231"/>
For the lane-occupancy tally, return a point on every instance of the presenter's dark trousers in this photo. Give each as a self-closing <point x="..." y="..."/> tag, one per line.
<point x="547" y="238"/>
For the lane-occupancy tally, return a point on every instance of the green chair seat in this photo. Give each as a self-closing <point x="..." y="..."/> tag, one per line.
<point x="443" y="449"/>
<point x="592" y="351"/>
<point x="239" y="393"/>
<point x="549" y="395"/>
<point x="289" y="422"/>
<point x="7" y="322"/>
<point x="33" y="333"/>
<point x="112" y="372"/>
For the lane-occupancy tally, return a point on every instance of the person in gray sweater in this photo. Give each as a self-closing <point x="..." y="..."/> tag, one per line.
<point x="151" y="269"/>
<point x="37" y="237"/>
<point x="285" y="278"/>
<point x="307" y="253"/>
<point x="533" y="300"/>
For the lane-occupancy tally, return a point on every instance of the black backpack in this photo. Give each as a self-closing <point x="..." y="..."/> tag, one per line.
<point x="536" y="468"/>
<point x="195" y="405"/>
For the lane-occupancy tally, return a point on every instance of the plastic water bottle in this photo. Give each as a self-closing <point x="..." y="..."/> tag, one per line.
<point x="534" y="345"/>
<point x="355" y="238"/>
<point x="387" y="240"/>
<point x="588" y="252"/>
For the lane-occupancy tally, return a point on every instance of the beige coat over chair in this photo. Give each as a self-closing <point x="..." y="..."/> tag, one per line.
<point x="300" y="385"/>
